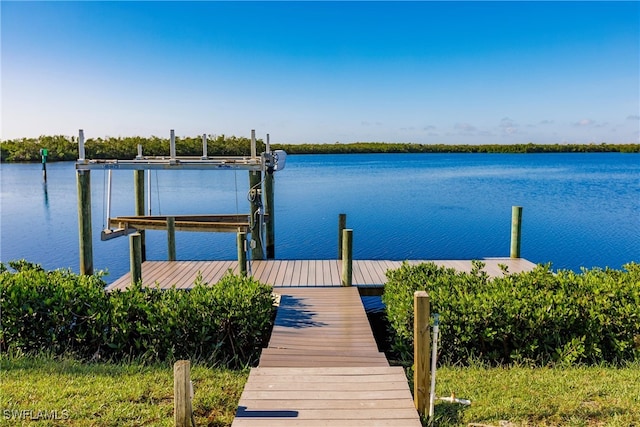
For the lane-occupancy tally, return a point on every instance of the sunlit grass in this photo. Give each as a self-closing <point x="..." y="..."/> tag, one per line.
<point x="559" y="396"/>
<point x="109" y="394"/>
<point x="135" y="394"/>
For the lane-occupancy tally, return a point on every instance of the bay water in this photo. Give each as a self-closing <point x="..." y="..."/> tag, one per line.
<point x="579" y="210"/>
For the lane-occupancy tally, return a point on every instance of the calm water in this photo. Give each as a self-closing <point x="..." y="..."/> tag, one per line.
<point x="579" y="209"/>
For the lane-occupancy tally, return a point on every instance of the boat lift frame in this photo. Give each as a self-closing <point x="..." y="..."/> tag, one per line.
<point x="261" y="216"/>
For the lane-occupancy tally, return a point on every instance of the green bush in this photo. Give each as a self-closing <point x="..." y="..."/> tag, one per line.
<point x="536" y="317"/>
<point x="56" y="311"/>
<point x="59" y="312"/>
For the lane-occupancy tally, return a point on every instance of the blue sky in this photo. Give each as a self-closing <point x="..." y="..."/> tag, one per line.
<point x="322" y="72"/>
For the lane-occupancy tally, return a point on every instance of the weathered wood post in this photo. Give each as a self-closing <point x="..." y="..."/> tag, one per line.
<point x="242" y="252"/>
<point x="347" y="257"/>
<point x="421" y="338"/>
<point x="171" y="238"/>
<point x="516" y="229"/>
<point x="182" y="393"/>
<point x="84" y="222"/>
<point x="270" y="207"/>
<point x="135" y="257"/>
<point x="342" y="224"/>
<point x="138" y="180"/>
<point x="255" y="196"/>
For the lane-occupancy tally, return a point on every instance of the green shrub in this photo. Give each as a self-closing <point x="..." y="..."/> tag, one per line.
<point x="535" y="317"/>
<point x="56" y="311"/>
<point x="59" y="312"/>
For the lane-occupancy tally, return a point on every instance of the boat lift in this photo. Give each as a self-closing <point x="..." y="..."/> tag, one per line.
<point x="252" y="223"/>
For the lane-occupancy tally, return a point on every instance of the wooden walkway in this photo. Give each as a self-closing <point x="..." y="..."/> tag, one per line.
<point x="322" y="368"/>
<point x="366" y="273"/>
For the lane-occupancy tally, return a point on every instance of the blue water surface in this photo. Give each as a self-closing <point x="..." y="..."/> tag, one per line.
<point x="580" y="210"/>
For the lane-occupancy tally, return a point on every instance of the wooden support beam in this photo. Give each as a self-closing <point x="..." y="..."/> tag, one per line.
<point x="255" y="193"/>
<point x="182" y="393"/>
<point x="84" y="222"/>
<point x="347" y="257"/>
<point x="421" y="339"/>
<point x="516" y="231"/>
<point x="135" y="257"/>
<point x="242" y="252"/>
<point x="171" y="238"/>
<point x="342" y="224"/>
<point x="270" y="213"/>
<point x="210" y="223"/>
<point x="138" y="180"/>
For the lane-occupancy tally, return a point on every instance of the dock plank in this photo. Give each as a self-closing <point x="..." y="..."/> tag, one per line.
<point x="295" y="273"/>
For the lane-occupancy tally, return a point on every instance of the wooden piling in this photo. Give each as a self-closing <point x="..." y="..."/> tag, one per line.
<point x="347" y="257"/>
<point x="257" y="245"/>
<point x="138" y="179"/>
<point x="171" y="238"/>
<point x="172" y="145"/>
<point x="270" y="211"/>
<point x="182" y="393"/>
<point x="242" y="252"/>
<point x="516" y="230"/>
<point x="421" y="344"/>
<point x="84" y="222"/>
<point x="135" y="257"/>
<point x="342" y="224"/>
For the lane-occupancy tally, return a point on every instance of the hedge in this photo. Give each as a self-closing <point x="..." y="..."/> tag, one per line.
<point x="536" y="317"/>
<point x="59" y="312"/>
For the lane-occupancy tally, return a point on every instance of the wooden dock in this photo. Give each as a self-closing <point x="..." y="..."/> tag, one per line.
<point x="282" y="273"/>
<point x="323" y="368"/>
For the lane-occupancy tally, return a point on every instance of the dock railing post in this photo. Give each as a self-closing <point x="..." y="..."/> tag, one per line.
<point x="171" y="238"/>
<point x="516" y="231"/>
<point x="242" y="252"/>
<point x="421" y="338"/>
<point x="342" y="224"/>
<point x="135" y="257"/>
<point x="84" y="222"/>
<point x="138" y="180"/>
<point x="347" y="257"/>
<point x="182" y="393"/>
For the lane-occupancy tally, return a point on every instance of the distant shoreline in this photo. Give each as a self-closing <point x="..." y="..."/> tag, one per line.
<point x="63" y="148"/>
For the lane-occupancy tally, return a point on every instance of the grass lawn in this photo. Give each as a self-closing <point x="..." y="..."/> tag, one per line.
<point x="107" y="394"/>
<point x="574" y="396"/>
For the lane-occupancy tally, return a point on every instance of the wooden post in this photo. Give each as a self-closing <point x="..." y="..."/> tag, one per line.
<point x="254" y="150"/>
<point x="204" y="146"/>
<point x="255" y="192"/>
<point x="516" y="229"/>
<point x="81" y="150"/>
<point x="342" y="224"/>
<point x="421" y="339"/>
<point x="138" y="179"/>
<point x="171" y="238"/>
<point x="182" y="393"/>
<point x="242" y="252"/>
<point x="347" y="257"/>
<point x="84" y="222"/>
<point x="172" y="145"/>
<point x="135" y="257"/>
<point x="270" y="210"/>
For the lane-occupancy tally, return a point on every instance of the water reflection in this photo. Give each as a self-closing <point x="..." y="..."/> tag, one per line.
<point x="47" y="210"/>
